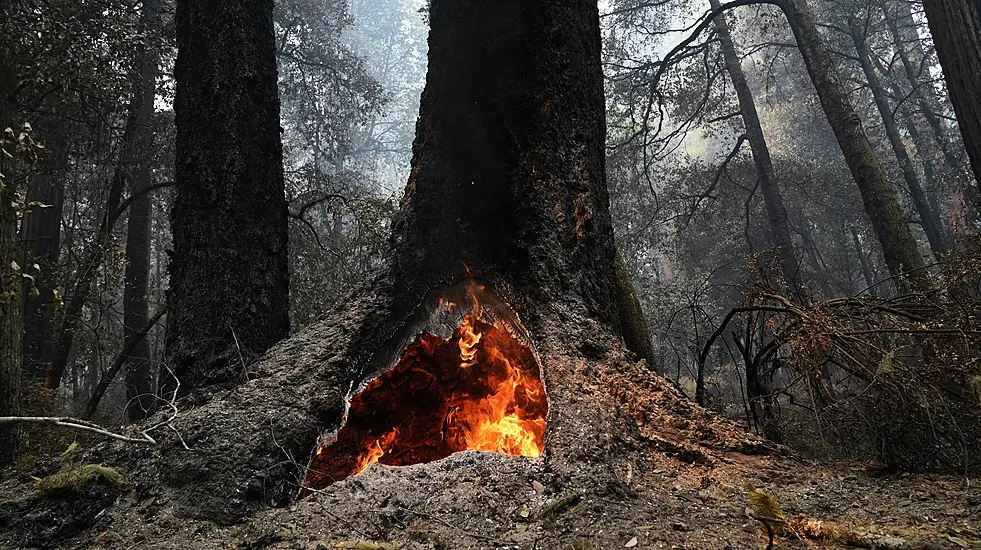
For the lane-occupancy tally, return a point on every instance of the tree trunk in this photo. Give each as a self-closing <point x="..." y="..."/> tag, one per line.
<point x="633" y="323"/>
<point x="956" y="29"/>
<point x="229" y="281"/>
<point x="928" y="218"/>
<point x="508" y="180"/>
<point x="923" y="93"/>
<point x="11" y="282"/>
<point x="40" y="233"/>
<point x="878" y="195"/>
<point x="772" y="198"/>
<point x="136" y="311"/>
<point x="493" y="183"/>
<point x="864" y="261"/>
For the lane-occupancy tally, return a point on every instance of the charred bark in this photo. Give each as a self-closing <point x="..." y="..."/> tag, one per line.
<point x="956" y="29"/>
<point x="229" y="293"/>
<point x="929" y="220"/>
<point x="878" y="196"/>
<point x="140" y="398"/>
<point x="11" y="282"/>
<point x="508" y="170"/>
<point x="776" y="212"/>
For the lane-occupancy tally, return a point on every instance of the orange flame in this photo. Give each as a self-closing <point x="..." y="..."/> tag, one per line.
<point x="481" y="392"/>
<point x="377" y="450"/>
<point x="496" y="422"/>
<point x="468" y="343"/>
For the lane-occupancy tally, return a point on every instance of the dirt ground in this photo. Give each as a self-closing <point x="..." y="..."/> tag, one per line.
<point x="480" y="500"/>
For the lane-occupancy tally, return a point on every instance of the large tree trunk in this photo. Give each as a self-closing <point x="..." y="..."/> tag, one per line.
<point x="136" y="311"/>
<point x="229" y="279"/>
<point x="772" y="198"/>
<point x="956" y="29"/>
<point x="11" y="282"/>
<point x="929" y="220"/>
<point x="878" y="195"/>
<point x="507" y="180"/>
<point x="40" y="234"/>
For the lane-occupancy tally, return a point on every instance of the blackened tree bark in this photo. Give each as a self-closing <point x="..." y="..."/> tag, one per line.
<point x="776" y="213"/>
<point x="956" y="29"/>
<point x="136" y="310"/>
<point x="40" y="234"/>
<point x="929" y="220"/>
<point x="11" y="283"/>
<point x="229" y="293"/>
<point x="508" y="169"/>
<point x="878" y="196"/>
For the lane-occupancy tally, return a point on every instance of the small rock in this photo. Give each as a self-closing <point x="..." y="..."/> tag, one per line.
<point x="537" y="486"/>
<point x="631" y="543"/>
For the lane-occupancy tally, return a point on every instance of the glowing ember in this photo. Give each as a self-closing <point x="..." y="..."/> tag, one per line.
<point x="481" y="390"/>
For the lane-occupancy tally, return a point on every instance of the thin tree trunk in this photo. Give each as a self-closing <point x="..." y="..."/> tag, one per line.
<point x="956" y="29"/>
<point x="126" y="354"/>
<point x="923" y="92"/>
<point x="229" y="277"/>
<point x="772" y="198"/>
<point x="878" y="196"/>
<point x="929" y="220"/>
<point x="864" y="261"/>
<point x="136" y="310"/>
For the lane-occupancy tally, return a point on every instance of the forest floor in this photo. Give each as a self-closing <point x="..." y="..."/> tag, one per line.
<point x="494" y="501"/>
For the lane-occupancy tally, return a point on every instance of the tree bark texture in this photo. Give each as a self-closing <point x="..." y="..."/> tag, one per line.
<point x="140" y="398"/>
<point x="929" y="220"/>
<point x="776" y="213"/>
<point x="956" y="29"/>
<point x="11" y="283"/>
<point x="508" y="169"/>
<point x="878" y="196"/>
<point x="229" y="284"/>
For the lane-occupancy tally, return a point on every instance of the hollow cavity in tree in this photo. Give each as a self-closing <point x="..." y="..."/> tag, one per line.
<point x="478" y="388"/>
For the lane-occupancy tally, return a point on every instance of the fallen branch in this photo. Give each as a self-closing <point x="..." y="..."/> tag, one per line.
<point x="78" y="424"/>
<point x="86" y="426"/>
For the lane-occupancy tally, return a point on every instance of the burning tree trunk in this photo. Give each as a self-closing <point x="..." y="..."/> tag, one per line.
<point x="507" y="190"/>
